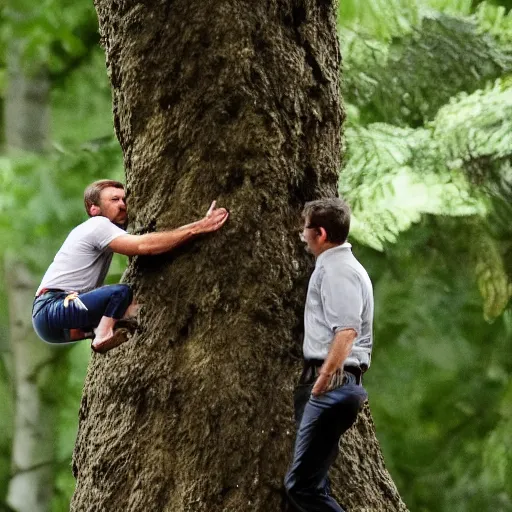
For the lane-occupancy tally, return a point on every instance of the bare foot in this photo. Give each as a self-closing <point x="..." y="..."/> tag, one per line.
<point x="119" y="337"/>
<point x="100" y="335"/>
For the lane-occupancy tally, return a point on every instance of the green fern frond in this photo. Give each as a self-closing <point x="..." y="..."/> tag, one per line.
<point x="407" y="81"/>
<point x="391" y="206"/>
<point x="477" y="125"/>
<point x="387" y="190"/>
<point x="495" y="20"/>
<point x="380" y="149"/>
<point x="384" y="19"/>
<point x="458" y="7"/>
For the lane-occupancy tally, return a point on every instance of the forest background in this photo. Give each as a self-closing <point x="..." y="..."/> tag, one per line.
<point x="428" y="172"/>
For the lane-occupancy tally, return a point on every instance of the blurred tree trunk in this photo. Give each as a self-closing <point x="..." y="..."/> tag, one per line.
<point x="31" y="485"/>
<point x="27" y="103"/>
<point x="238" y="101"/>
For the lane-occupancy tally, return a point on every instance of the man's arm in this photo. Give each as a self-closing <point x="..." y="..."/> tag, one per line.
<point x="158" y="243"/>
<point x="341" y="347"/>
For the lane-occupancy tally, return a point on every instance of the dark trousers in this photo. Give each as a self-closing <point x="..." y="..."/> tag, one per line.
<point x="53" y="321"/>
<point x="321" y="421"/>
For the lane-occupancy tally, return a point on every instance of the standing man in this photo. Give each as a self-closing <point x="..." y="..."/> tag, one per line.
<point x="337" y="348"/>
<point x="71" y="304"/>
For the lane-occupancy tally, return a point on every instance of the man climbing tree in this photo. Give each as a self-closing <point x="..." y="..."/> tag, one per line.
<point x="237" y="100"/>
<point x="71" y="304"/>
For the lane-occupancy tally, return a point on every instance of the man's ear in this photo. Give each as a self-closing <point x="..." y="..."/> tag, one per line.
<point x="322" y="234"/>
<point x="94" y="210"/>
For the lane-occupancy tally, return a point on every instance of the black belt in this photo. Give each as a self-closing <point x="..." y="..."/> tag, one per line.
<point x="312" y="368"/>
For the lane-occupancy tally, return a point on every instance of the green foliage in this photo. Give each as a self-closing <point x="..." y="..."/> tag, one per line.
<point x="44" y="195"/>
<point x="388" y="20"/>
<point x="392" y="177"/>
<point x="393" y="82"/>
<point x="440" y="372"/>
<point x="496" y="21"/>
<point x="493" y="281"/>
<point x="478" y="125"/>
<point x="457" y="164"/>
<point x="82" y="106"/>
<point x="429" y="148"/>
<point x="54" y="32"/>
<point x="458" y="7"/>
<point x="43" y="199"/>
<point x="384" y="19"/>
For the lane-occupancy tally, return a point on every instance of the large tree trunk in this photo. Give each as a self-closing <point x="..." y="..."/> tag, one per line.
<point x="239" y="101"/>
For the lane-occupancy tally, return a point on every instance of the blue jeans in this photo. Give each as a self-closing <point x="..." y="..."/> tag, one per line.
<point x="321" y="422"/>
<point x="53" y="322"/>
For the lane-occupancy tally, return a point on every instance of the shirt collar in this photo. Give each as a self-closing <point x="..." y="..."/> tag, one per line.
<point x="333" y="250"/>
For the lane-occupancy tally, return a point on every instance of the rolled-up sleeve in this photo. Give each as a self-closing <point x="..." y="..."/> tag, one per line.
<point x="342" y="298"/>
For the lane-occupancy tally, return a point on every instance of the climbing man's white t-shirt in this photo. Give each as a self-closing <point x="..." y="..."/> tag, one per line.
<point x="83" y="260"/>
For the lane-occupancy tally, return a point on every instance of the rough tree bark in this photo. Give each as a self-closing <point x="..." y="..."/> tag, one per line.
<point x="239" y="101"/>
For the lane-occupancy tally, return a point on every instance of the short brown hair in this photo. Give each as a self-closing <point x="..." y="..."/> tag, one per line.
<point x="93" y="191"/>
<point x="332" y="214"/>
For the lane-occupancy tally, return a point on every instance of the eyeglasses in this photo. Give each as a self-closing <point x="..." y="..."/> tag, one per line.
<point x="301" y="234"/>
